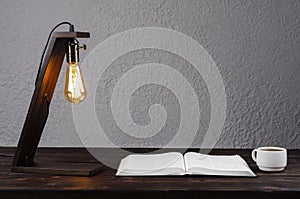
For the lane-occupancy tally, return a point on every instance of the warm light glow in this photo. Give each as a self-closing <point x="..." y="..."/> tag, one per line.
<point x="75" y="90"/>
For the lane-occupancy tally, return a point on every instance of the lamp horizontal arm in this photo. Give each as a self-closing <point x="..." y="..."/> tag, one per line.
<point x="71" y="35"/>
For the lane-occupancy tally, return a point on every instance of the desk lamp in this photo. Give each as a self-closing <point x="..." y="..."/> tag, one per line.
<point x="58" y="44"/>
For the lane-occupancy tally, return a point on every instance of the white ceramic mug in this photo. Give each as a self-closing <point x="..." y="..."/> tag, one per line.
<point x="270" y="158"/>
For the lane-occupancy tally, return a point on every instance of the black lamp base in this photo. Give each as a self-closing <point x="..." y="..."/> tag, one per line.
<point x="60" y="168"/>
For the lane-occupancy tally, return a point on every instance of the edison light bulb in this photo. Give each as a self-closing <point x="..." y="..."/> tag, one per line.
<point x="75" y="90"/>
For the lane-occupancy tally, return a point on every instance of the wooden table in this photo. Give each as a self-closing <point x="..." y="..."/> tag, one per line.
<point x="284" y="184"/>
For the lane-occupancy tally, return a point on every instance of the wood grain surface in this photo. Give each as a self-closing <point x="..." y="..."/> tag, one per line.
<point x="105" y="184"/>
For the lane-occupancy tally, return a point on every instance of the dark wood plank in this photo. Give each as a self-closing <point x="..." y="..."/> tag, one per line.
<point x="106" y="185"/>
<point x="147" y="194"/>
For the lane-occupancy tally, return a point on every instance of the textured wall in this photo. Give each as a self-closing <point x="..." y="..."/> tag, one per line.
<point x="255" y="45"/>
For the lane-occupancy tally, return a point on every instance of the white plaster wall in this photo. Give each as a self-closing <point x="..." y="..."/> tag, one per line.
<point x="255" y="45"/>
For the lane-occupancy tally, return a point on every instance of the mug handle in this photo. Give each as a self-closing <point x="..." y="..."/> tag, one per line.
<point x="253" y="154"/>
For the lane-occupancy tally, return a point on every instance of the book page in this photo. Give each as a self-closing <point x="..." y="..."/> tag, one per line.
<point x="227" y="165"/>
<point x="152" y="164"/>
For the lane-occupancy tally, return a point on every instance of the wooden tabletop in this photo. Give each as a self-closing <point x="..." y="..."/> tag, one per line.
<point x="105" y="184"/>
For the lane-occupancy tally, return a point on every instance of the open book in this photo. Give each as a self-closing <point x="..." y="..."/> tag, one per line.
<point x="174" y="163"/>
